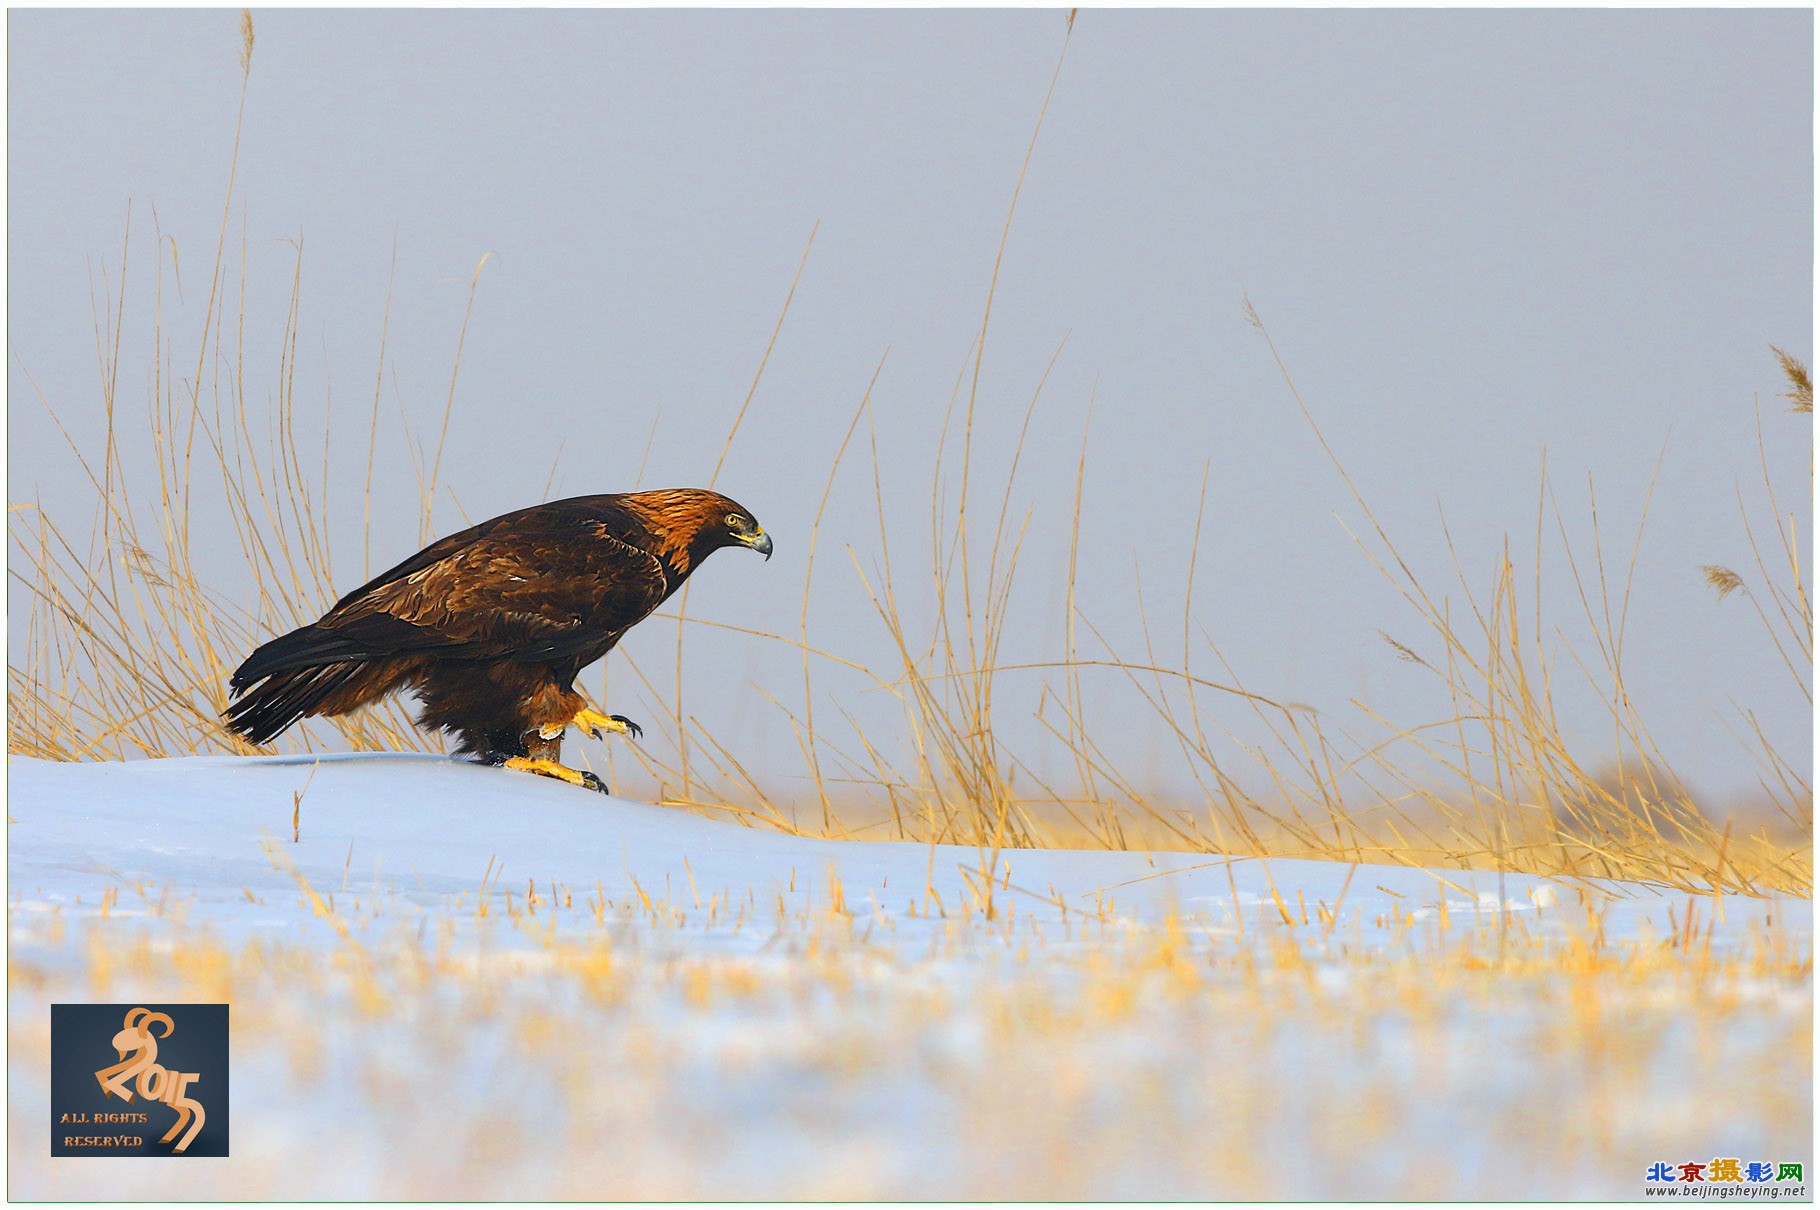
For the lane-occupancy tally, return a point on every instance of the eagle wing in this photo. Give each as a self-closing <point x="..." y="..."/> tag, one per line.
<point x="535" y="587"/>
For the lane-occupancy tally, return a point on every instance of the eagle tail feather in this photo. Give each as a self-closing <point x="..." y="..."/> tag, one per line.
<point x="306" y="647"/>
<point x="283" y="698"/>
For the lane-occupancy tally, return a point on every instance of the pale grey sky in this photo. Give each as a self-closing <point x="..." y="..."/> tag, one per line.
<point x="1472" y="234"/>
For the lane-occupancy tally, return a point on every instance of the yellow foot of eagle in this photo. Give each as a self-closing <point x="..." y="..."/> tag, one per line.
<point x="549" y="768"/>
<point x="594" y="723"/>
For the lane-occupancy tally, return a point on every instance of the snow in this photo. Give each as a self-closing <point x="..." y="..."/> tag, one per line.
<point x="667" y="1005"/>
<point x="430" y="829"/>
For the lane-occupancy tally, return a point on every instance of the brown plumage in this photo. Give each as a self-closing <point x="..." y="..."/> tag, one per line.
<point x="491" y="625"/>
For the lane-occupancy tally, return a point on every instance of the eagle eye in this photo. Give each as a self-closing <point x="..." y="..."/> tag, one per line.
<point x="737" y="523"/>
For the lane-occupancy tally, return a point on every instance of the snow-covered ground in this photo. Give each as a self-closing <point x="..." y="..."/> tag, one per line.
<point x="459" y="981"/>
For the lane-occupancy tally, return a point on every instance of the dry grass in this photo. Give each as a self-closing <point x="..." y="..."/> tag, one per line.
<point x="1801" y="386"/>
<point x="127" y="650"/>
<point x="1266" y="1062"/>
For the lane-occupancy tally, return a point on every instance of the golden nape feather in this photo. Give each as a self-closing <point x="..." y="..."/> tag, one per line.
<point x="490" y="626"/>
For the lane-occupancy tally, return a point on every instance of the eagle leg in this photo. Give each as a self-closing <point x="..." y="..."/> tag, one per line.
<point x="594" y="723"/>
<point x="547" y="768"/>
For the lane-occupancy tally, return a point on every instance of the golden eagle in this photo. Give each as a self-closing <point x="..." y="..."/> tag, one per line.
<point x="490" y="626"/>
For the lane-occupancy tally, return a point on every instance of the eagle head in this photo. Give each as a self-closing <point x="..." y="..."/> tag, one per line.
<point x="742" y="529"/>
<point x="689" y="524"/>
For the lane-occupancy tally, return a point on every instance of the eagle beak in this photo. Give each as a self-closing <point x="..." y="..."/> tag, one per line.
<point x="761" y="542"/>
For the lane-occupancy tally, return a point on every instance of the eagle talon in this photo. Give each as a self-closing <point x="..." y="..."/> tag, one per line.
<point x="550" y="768"/>
<point x="597" y="724"/>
